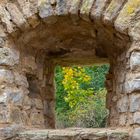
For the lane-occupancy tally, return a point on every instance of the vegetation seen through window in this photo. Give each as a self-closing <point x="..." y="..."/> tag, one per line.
<point x="81" y="96"/>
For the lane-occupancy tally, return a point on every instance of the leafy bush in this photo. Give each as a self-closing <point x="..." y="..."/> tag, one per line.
<point x="81" y="100"/>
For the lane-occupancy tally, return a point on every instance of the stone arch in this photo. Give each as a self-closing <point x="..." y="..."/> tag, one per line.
<point x="33" y="39"/>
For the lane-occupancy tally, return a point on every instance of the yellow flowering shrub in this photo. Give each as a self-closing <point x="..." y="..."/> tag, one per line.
<point x="73" y="78"/>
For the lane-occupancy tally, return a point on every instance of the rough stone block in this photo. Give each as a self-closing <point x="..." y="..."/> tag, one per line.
<point x="136" y="134"/>
<point x="37" y="117"/>
<point x="135" y="61"/>
<point x="85" y="9"/>
<point x="6" y="76"/>
<point x="2" y="32"/>
<point x="74" y="134"/>
<point x="123" y="104"/>
<point x="61" y="7"/>
<point x="132" y="85"/>
<point x="134" y="103"/>
<point x="122" y="120"/>
<point x="21" y="80"/>
<point x="112" y="10"/>
<point x="27" y="104"/>
<point x="13" y="95"/>
<point x="25" y="6"/>
<point x="34" y="6"/>
<point x="45" y="10"/>
<point x="2" y="42"/>
<point x="34" y="21"/>
<point x="9" y="56"/>
<point x="98" y="8"/>
<point x="135" y="31"/>
<point x="29" y="64"/>
<point x="126" y="15"/>
<point x="4" y="114"/>
<point x="10" y="131"/>
<point x="37" y="103"/>
<point x="136" y="118"/>
<point x="5" y="18"/>
<point x="3" y="98"/>
<point x="74" y="7"/>
<point x="19" y="117"/>
<point x="16" y="16"/>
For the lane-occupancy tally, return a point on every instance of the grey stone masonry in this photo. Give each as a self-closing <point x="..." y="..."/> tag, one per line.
<point x="37" y="35"/>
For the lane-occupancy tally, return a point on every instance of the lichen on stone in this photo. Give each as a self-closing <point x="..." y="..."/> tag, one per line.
<point x="41" y="3"/>
<point x="132" y="6"/>
<point x="86" y="6"/>
<point x="123" y="21"/>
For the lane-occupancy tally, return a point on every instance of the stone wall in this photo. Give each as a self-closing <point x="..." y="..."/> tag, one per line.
<point x="37" y="35"/>
<point x="16" y="87"/>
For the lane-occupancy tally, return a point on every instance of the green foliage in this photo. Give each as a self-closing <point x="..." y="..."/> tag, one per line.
<point x="73" y="79"/>
<point x="97" y="74"/>
<point x="80" y="96"/>
<point x="91" y="114"/>
<point x="61" y="105"/>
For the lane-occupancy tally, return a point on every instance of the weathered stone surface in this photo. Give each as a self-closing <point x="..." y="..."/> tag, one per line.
<point x="136" y="118"/>
<point x="6" y="76"/>
<point x="25" y="6"/>
<point x="55" y="32"/>
<point x="18" y="117"/>
<point x="135" y="31"/>
<point x="10" y="131"/>
<point x="13" y="95"/>
<point x="4" y="114"/>
<point x="27" y="103"/>
<point x="134" y="102"/>
<point x="9" y="56"/>
<point x="46" y="9"/>
<point x="2" y="32"/>
<point x="123" y="119"/>
<point x="29" y="64"/>
<point x="16" y="15"/>
<point x="61" y="7"/>
<point x="135" y="61"/>
<point x="126" y="15"/>
<point x="74" y="7"/>
<point x="123" y="104"/>
<point x="136" y="134"/>
<point x="132" y="85"/>
<point x="86" y="8"/>
<point x="37" y="103"/>
<point x="21" y="80"/>
<point x="113" y="10"/>
<point x="37" y="118"/>
<point x="34" y="21"/>
<point x="98" y="9"/>
<point x="5" y="18"/>
<point x="75" y="134"/>
<point x="2" y="42"/>
<point x="60" y="134"/>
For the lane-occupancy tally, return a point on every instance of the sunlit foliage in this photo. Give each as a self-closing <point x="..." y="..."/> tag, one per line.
<point x="81" y="96"/>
